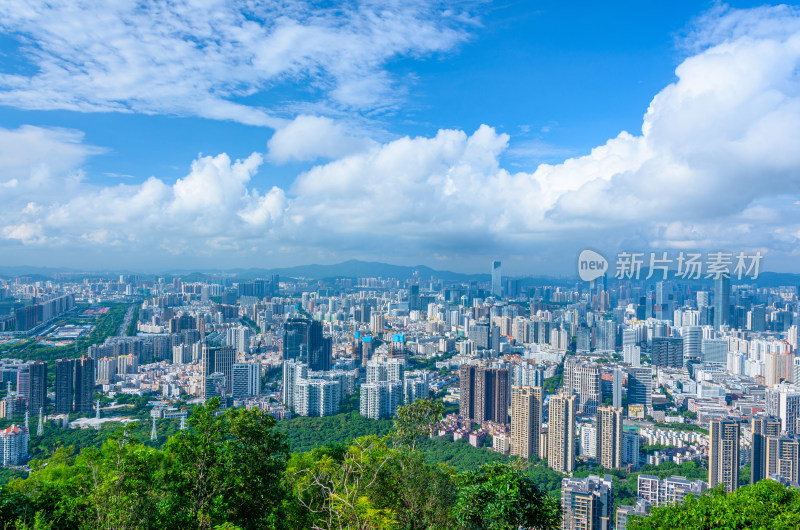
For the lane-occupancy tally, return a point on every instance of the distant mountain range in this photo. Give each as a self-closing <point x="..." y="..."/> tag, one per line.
<point x="346" y="269"/>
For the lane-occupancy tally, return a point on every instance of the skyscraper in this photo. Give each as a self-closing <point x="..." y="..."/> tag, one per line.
<point x="526" y="421"/>
<point x="640" y="386"/>
<point x="246" y="380"/>
<point x="722" y="301"/>
<point x="466" y="384"/>
<point x="84" y="383"/>
<point x="668" y="351"/>
<point x="38" y="386"/>
<point x="723" y="454"/>
<point x="561" y="433"/>
<point x="616" y="388"/>
<point x="65" y="385"/>
<point x="609" y="437"/>
<point x="761" y="427"/>
<point x="491" y="395"/>
<point x="303" y="340"/>
<point x="497" y="279"/>
<point x="583" y="379"/>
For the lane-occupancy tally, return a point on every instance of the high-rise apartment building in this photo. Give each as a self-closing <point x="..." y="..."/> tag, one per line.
<point x="65" y="385"/>
<point x="672" y="490"/>
<point x="723" y="454"/>
<point x="293" y="371"/>
<point x="783" y="401"/>
<point x="380" y="399"/>
<point x="37" y="394"/>
<point x="317" y="397"/>
<point x="782" y="457"/>
<point x="761" y="427"/>
<point x="609" y="437"/>
<point x="85" y="369"/>
<point x="466" y="385"/>
<point x="491" y="395"/>
<point x="583" y="379"/>
<point x="561" y="433"/>
<point x="526" y="420"/>
<point x="587" y="503"/>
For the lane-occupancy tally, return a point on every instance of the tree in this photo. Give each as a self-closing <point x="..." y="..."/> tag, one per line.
<point x="766" y="504"/>
<point x="415" y="420"/>
<point x="227" y="468"/>
<point x="499" y="497"/>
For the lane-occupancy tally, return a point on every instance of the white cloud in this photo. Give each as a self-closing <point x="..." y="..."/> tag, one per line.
<point x="714" y="166"/>
<point x="204" y="58"/>
<point x="311" y="137"/>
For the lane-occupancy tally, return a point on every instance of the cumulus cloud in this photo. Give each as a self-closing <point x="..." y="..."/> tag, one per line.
<point x="311" y="137"/>
<point x="205" y="58"/>
<point x="714" y="166"/>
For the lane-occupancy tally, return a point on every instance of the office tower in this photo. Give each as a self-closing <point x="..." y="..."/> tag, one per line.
<point x="723" y="454"/>
<point x="317" y="397"/>
<point x="413" y="298"/>
<point x="722" y="302"/>
<point x="587" y="503"/>
<point x="381" y="399"/>
<point x="85" y="369"/>
<point x="782" y="457"/>
<point x="692" y="343"/>
<point x="491" y="395"/>
<point x="497" y="279"/>
<point x="715" y="351"/>
<point x="526" y="421"/>
<point x="214" y="386"/>
<point x="783" y="401"/>
<point x="293" y="371"/>
<point x="561" y="433"/>
<point x="37" y="390"/>
<point x="667" y="351"/>
<point x="665" y="300"/>
<point x="630" y="448"/>
<point x="303" y="341"/>
<point x="65" y="376"/>
<point x="584" y="380"/>
<point x="609" y="437"/>
<point x="640" y="387"/>
<point x="616" y="388"/>
<point x="246" y="380"/>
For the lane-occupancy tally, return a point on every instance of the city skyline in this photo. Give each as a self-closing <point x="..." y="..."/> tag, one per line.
<point x="428" y="133"/>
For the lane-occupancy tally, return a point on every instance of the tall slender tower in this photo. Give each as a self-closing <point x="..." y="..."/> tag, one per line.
<point x="722" y="301"/>
<point x="153" y="432"/>
<point x="561" y="433"/>
<point x="723" y="454"/>
<point x="497" y="279"/>
<point x="609" y="437"/>
<point x="526" y="421"/>
<point x="762" y="427"/>
<point x="40" y="428"/>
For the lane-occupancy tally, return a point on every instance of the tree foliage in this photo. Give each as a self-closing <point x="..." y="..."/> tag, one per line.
<point x="765" y="505"/>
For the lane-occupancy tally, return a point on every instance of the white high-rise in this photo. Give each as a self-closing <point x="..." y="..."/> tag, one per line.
<point x="380" y="399"/>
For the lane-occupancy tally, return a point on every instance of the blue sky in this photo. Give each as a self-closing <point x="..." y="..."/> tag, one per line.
<point x="408" y="132"/>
